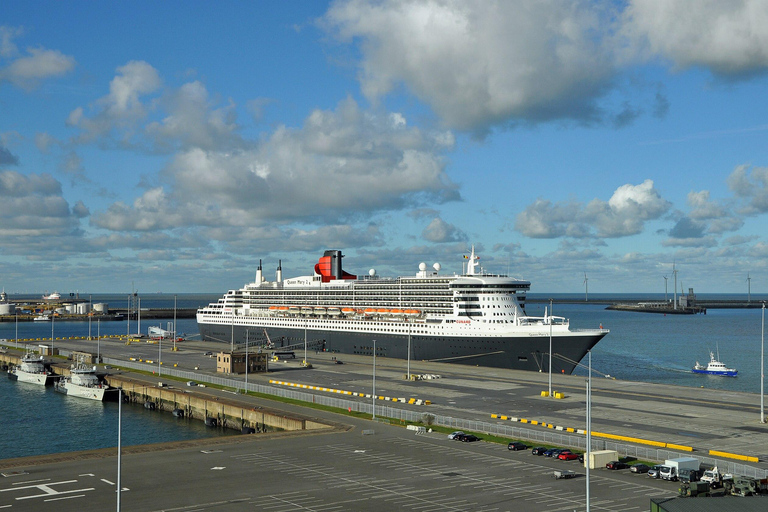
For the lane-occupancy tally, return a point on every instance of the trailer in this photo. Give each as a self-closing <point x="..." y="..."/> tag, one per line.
<point x="564" y="473"/>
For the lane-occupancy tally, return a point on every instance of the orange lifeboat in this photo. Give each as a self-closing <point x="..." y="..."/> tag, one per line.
<point x="411" y="312"/>
<point x="370" y="311"/>
<point x="348" y="311"/>
<point x="382" y="311"/>
<point x="397" y="312"/>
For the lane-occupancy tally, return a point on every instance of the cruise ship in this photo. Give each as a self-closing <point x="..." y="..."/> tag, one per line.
<point x="473" y="318"/>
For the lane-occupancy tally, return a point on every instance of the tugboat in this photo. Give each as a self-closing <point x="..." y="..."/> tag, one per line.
<point x="714" y="367"/>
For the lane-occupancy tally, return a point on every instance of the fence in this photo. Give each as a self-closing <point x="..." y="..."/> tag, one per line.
<point x="548" y="437"/>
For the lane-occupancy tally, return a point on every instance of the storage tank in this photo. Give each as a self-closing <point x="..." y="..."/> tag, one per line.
<point x="7" y="309"/>
<point x="101" y="307"/>
<point x="60" y="311"/>
<point x="83" y="309"/>
<point x="71" y="308"/>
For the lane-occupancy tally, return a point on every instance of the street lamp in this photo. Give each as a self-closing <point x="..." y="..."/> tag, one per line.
<point x="762" y="367"/>
<point x="373" y="401"/>
<point x="550" y="348"/>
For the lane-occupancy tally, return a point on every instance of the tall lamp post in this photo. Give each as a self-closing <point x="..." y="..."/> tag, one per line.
<point x="550" y="348"/>
<point x="373" y="396"/>
<point x="762" y="367"/>
<point x="589" y="422"/>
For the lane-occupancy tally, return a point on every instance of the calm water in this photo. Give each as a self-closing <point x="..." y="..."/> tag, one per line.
<point x="663" y="348"/>
<point x="640" y="347"/>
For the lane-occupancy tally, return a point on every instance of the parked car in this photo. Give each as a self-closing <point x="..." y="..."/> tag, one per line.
<point x="567" y="455"/>
<point x="453" y="435"/>
<point x="654" y="471"/>
<point x="581" y="457"/>
<point x="539" y="450"/>
<point x="614" y="464"/>
<point x="553" y="452"/>
<point x="639" y="468"/>
<point x="191" y="383"/>
<point x="209" y="353"/>
<point x="467" y="438"/>
<point x="516" y="445"/>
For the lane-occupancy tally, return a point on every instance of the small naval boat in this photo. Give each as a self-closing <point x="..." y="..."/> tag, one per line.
<point x="84" y="383"/>
<point x="714" y="367"/>
<point x="32" y="370"/>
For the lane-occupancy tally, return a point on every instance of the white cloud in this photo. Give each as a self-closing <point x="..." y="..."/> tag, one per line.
<point x="729" y="38"/>
<point x="482" y="64"/>
<point x="32" y="206"/>
<point x="341" y="164"/>
<point x="192" y="122"/>
<point x="135" y="79"/>
<point x="122" y="107"/>
<point x="29" y="70"/>
<point x="439" y="231"/>
<point x="624" y="214"/>
<point x="750" y="186"/>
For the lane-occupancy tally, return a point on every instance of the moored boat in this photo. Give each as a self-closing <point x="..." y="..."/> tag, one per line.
<point x="32" y="369"/>
<point x="83" y="383"/>
<point x="714" y="367"/>
<point x="475" y="317"/>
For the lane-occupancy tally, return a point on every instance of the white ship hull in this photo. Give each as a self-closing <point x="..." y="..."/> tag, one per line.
<point x="40" y="379"/>
<point x="88" y="392"/>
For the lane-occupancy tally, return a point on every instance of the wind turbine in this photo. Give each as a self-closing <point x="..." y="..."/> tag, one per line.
<point x="749" y="288"/>
<point x="586" y="288"/>
<point x="665" y="288"/>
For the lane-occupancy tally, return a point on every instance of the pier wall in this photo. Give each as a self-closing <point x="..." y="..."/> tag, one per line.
<point x="227" y="413"/>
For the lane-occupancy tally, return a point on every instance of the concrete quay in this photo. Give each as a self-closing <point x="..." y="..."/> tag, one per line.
<point x="394" y="469"/>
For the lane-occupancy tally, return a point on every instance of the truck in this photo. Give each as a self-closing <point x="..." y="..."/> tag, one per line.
<point x="715" y="478"/>
<point x="694" y="489"/>
<point x="671" y="468"/>
<point x="745" y="486"/>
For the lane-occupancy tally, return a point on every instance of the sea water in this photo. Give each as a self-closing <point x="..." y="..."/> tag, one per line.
<point x="36" y="420"/>
<point x="652" y="347"/>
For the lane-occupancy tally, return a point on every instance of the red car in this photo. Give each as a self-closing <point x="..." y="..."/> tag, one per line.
<point x="567" y="456"/>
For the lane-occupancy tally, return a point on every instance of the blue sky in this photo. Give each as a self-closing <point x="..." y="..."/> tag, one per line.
<point x="174" y="144"/>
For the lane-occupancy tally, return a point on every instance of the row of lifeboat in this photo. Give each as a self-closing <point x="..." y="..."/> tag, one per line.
<point x="333" y="311"/>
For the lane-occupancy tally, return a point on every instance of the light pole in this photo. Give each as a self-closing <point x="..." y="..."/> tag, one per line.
<point x="589" y="421"/>
<point x="90" y="306"/>
<point x="174" y="323"/>
<point x="159" y="353"/>
<point x="550" y="348"/>
<point x="53" y="318"/>
<point x="119" y="442"/>
<point x="762" y="367"/>
<point x="247" y="362"/>
<point x="98" y="339"/>
<point x="409" y="350"/>
<point x="17" y="328"/>
<point x="373" y="401"/>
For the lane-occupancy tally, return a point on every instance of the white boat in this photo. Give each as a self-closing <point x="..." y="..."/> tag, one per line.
<point x="42" y="318"/>
<point x="474" y="318"/>
<point x="714" y="367"/>
<point x="32" y="370"/>
<point x="83" y="382"/>
<point x="53" y="296"/>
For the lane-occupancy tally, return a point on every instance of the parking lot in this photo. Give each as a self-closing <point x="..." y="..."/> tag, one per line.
<point x="391" y="469"/>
